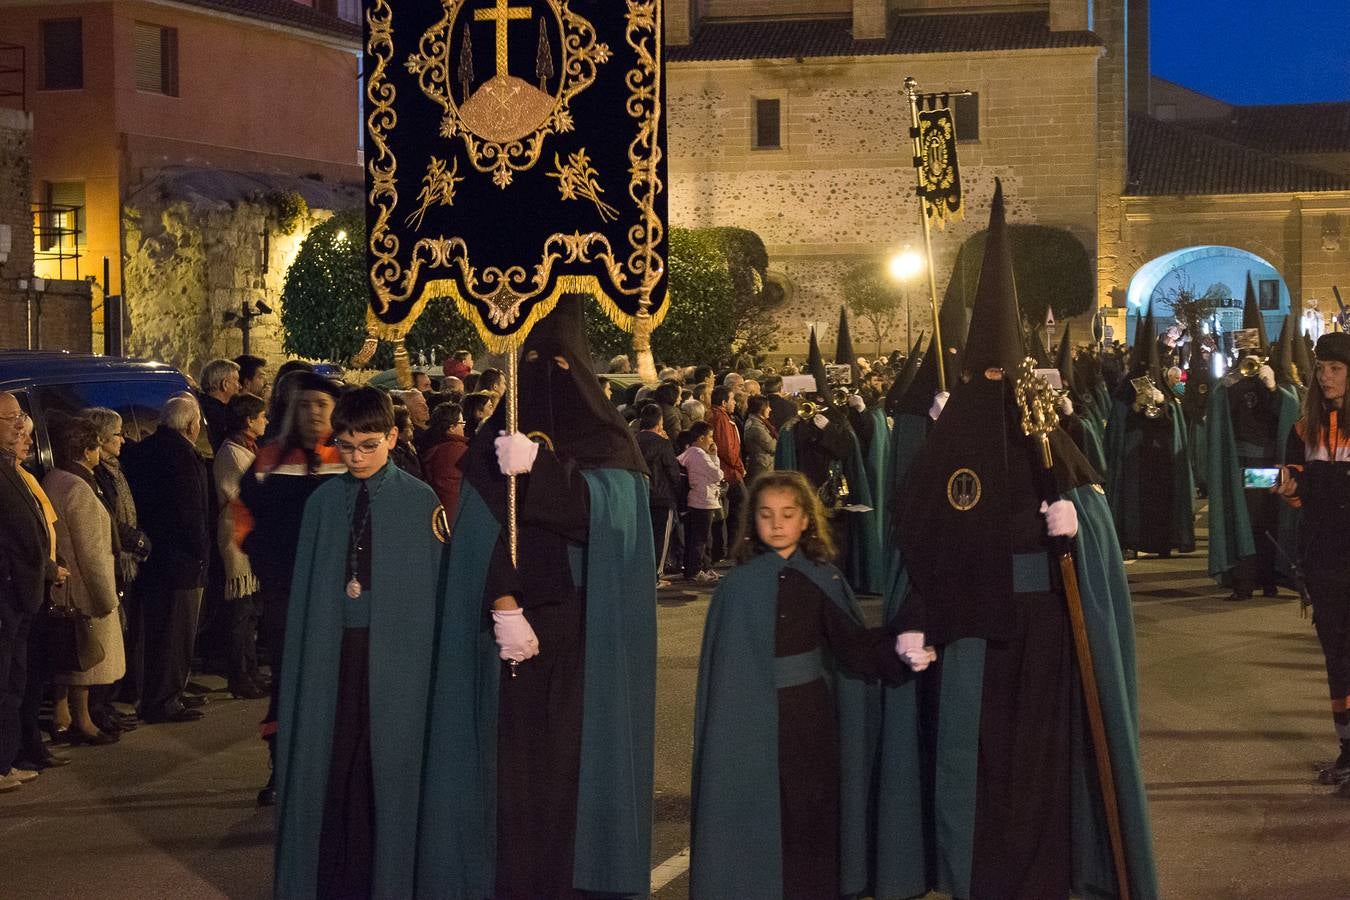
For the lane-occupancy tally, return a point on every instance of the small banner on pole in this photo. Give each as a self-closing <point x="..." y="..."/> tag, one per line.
<point x="515" y="152"/>
<point x="938" y="172"/>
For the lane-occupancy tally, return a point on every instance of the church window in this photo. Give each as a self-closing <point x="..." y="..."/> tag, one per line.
<point x="967" y="112"/>
<point x="768" y="124"/>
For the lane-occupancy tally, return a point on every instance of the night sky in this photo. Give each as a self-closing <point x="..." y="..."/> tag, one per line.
<point x="1251" y="52"/>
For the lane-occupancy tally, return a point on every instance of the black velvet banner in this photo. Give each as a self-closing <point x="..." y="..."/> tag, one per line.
<point x="515" y="151"/>
<point x="941" y="175"/>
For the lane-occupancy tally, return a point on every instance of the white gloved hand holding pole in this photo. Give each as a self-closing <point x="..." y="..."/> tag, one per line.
<point x="515" y="638"/>
<point x="910" y="648"/>
<point x="939" y="404"/>
<point x="515" y="453"/>
<point x="1061" y="519"/>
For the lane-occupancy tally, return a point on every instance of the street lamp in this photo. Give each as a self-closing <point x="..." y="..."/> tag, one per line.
<point x="243" y="319"/>
<point x="904" y="265"/>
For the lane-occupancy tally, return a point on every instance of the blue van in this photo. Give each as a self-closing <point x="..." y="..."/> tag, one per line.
<point x="47" y="381"/>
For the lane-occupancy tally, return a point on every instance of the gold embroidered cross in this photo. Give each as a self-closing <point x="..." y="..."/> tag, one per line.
<point x="502" y="14"/>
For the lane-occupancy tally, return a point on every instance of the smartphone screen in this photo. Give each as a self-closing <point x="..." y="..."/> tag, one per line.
<point x="1260" y="479"/>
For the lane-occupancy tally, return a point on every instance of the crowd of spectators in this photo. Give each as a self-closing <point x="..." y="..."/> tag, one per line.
<point x="172" y="556"/>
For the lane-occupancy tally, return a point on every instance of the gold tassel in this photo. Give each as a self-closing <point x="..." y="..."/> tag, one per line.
<point x="642" y="346"/>
<point x="401" y="366"/>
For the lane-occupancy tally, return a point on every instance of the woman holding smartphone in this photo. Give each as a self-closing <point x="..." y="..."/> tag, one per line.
<point x="1317" y="480"/>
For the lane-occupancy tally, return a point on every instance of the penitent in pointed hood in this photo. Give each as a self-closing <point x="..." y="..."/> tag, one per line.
<point x="904" y="378"/>
<point x="1068" y="372"/>
<point x="1282" y="354"/>
<point x="816" y="366"/>
<point x="1252" y="318"/>
<point x="843" y="349"/>
<point x="995" y="339"/>
<point x="1144" y="358"/>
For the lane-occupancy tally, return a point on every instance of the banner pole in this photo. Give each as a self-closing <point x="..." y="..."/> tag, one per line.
<point x="911" y="94"/>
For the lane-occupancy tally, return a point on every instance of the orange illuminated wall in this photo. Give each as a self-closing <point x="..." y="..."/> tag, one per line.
<point x="251" y="96"/>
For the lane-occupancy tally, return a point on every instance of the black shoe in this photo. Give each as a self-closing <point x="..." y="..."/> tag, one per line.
<point x="192" y="701"/>
<point x="1339" y="771"/>
<point x="1238" y="597"/>
<point x="1270" y="592"/>
<point x="247" y="690"/>
<point x="182" y="714"/>
<point x="77" y="738"/>
<point x="194" y="687"/>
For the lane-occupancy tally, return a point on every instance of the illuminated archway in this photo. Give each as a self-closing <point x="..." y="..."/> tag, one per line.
<point x="1204" y="268"/>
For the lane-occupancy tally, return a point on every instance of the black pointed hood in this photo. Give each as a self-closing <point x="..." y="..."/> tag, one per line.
<point x="1252" y="318"/>
<point x="1144" y="358"/>
<point x="904" y="378"/>
<point x="1199" y="379"/>
<point x="567" y="405"/>
<point x="954" y="319"/>
<point x="918" y="397"/>
<point x="1068" y="372"/>
<point x="1303" y="357"/>
<point x="843" y="349"/>
<point x="1282" y="354"/>
<point x="816" y="366"/>
<point x="995" y="339"/>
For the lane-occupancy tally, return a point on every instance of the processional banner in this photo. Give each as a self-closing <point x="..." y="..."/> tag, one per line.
<point x="515" y="152"/>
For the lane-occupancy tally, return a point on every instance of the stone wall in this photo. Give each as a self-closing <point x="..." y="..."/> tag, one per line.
<point x="195" y="250"/>
<point x="16" y="185"/>
<point x="1305" y="237"/>
<point x="840" y="191"/>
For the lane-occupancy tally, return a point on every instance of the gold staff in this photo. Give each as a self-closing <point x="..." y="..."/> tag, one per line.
<point x="911" y="93"/>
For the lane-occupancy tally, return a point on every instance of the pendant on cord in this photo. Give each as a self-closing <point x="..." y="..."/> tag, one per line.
<point x="354" y="589"/>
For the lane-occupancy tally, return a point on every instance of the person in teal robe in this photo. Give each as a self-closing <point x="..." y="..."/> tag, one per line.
<point x="1082" y="422"/>
<point x="784" y="718"/>
<point x="563" y="678"/>
<point x="1245" y="422"/>
<point x="1017" y="809"/>
<point x="368" y="589"/>
<point x="1148" y="473"/>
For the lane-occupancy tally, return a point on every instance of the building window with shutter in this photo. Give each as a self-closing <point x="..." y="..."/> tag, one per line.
<point x="768" y="124"/>
<point x="967" y="112"/>
<point x="62" y="54"/>
<point x="156" y="59"/>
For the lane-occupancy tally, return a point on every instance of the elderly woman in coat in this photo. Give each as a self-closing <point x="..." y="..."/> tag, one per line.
<point x="248" y="422"/>
<point x="85" y="532"/>
<point x="134" y="548"/>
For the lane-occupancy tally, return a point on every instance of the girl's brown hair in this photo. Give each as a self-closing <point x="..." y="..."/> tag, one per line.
<point x="1315" y="409"/>
<point x="816" y="542"/>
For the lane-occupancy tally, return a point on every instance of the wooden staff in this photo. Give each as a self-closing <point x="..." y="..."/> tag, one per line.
<point x="1040" y="416"/>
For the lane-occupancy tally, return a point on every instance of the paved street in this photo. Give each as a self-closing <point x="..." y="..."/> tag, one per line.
<point x="1234" y="717"/>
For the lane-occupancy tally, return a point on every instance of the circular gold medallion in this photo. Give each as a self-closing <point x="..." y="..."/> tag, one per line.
<point x="963" y="490"/>
<point x="440" y="525"/>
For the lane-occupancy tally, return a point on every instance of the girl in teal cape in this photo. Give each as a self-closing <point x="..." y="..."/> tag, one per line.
<point x="785" y="719"/>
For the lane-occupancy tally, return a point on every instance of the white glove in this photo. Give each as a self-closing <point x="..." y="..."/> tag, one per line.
<point x="1157" y="397"/>
<point x="513" y="634"/>
<point x="820" y="421"/>
<point x="515" y="453"/>
<point x="909" y="647"/>
<point x="856" y="401"/>
<point x="1061" y="519"/>
<point x="1066" y="405"/>
<point x="1267" y="376"/>
<point x="939" y="404"/>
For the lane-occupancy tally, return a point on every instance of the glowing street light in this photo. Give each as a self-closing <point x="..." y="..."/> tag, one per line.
<point x="904" y="266"/>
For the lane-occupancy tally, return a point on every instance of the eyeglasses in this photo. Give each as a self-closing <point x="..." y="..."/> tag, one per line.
<point x="365" y="447"/>
<point x="18" y="416"/>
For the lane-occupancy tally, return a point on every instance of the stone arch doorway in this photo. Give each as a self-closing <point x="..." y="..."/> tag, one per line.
<point x="1215" y="269"/>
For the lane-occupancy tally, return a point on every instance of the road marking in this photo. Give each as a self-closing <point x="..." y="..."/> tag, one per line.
<point x="669" y="870"/>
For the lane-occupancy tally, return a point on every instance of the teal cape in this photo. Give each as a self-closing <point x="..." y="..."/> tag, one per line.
<point x="876" y="464"/>
<point x="1230" y="528"/>
<point x="865" y="559"/>
<point x="1124" y="478"/>
<point x="901" y="848"/>
<point x="407" y="592"/>
<point x="736" y="842"/>
<point x="617" y="570"/>
<point x="1094" y="442"/>
<point x="1110" y="628"/>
